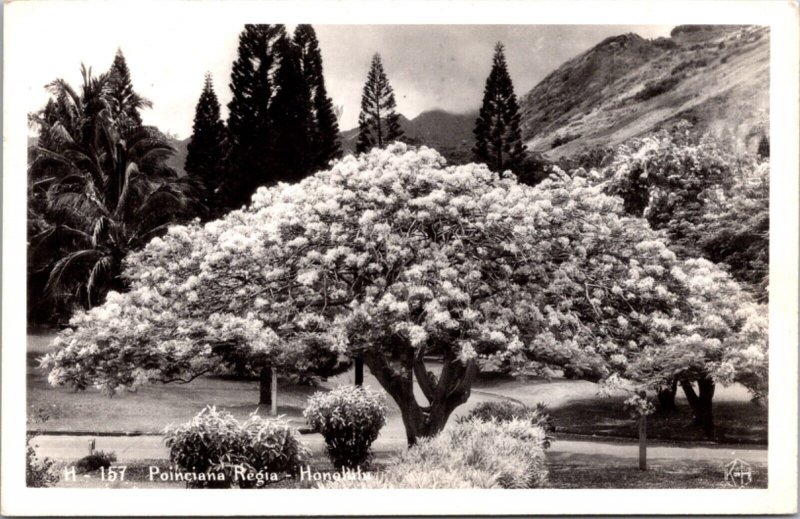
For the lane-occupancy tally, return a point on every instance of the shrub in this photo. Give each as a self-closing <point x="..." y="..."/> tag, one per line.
<point x="94" y="461"/>
<point x="686" y="65"/>
<point x="656" y="88"/>
<point x="39" y="472"/>
<point x="468" y="454"/>
<point x="273" y="446"/>
<point x="558" y="140"/>
<point x="506" y="410"/>
<point x="349" y="418"/>
<point x="217" y="445"/>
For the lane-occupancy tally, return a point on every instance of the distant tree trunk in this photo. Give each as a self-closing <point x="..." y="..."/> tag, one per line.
<point x="444" y="394"/>
<point x="359" y="371"/>
<point x="643" y="442"/>
<point x="702" y="404"/>
<point x="666" y="397"/>
<point x="265" y="386"/>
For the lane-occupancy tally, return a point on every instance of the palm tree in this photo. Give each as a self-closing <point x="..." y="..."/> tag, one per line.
<point x="98" y="189"/>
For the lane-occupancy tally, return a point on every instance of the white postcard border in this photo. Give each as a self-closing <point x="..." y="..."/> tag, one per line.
<point x="779" y="497"/>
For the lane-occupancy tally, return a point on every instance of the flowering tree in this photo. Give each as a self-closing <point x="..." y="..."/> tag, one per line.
<point x="711" y="202"/>
<point x="390" y="256"/>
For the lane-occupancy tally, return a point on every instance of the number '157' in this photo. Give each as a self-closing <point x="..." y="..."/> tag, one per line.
<point x="113" y="473"/>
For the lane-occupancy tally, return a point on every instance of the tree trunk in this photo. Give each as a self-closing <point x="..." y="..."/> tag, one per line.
<point x="666" y="397"/>
<point x="707" y="387"/>
<point x="359" y="372"/>
<point x="265" y="386"/>
<point x="444" y="394"/>
<point x="643" y="443"/>
<point x="702" y="404"/>
<point x="273" y="389"/>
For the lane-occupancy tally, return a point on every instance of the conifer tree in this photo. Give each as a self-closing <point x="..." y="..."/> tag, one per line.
<point x="378" y="123"/>
<point x="324" y="122"/>
<point x="498" y="138"/>
<point x="292" y="116"/>
<point x="206" y="149"/>
<point x="250" y="161"/>
<point x="125" y="102"/>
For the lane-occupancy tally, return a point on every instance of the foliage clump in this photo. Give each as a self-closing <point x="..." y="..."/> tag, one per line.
<point x="656" y="88"/>
<point x="507" y="410"/>
<point x="94" y="461"/>
<point x="39" y="472"/>
<point x="468" y="454"/>
<point x="349" y="418"/>
<point x="233" y="453"/>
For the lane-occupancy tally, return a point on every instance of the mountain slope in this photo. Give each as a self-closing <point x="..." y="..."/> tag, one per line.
<point x="715" y="76"/>
<point x="178" y="159"/>
<point x="450" y="134"/>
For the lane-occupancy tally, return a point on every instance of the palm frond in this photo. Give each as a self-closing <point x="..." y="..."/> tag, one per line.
<point x="101" y="267"/>
<point x="63" y="91"/>
<point x="59" y="133"/>
<point x="63" y="267"/>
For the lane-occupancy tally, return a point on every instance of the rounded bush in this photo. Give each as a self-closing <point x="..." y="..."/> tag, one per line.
<point x="231" y="453"/>
<point x="349" y="418"/>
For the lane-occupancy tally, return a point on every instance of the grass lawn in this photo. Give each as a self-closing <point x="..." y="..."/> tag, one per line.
<point x="737" y="421"/>
<point x="151" y="407"/>
<point x="592" y="471"/>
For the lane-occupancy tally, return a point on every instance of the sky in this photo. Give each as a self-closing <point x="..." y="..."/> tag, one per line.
<point x="429" y="66"/>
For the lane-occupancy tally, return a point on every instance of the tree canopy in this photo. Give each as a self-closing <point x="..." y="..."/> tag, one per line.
<point x="392" y="255"/>
<point x="712" y="201"/>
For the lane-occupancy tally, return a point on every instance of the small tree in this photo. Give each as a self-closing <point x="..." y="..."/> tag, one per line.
<point x="498" y="138"/>
<point x="206" y="150"/>
<point x="390" y="256"/>
<point x="378" y="123"/>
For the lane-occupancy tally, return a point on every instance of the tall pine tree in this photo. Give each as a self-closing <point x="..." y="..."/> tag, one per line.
<point x="250" y="160"/>
<point x="498" y="138"/>
<point x="206" y="150"/>
<point x="292" y="115"/>
<point x="125" y="102"/>
<point x="378" y="123"/>
<point x="324" y="126"/>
